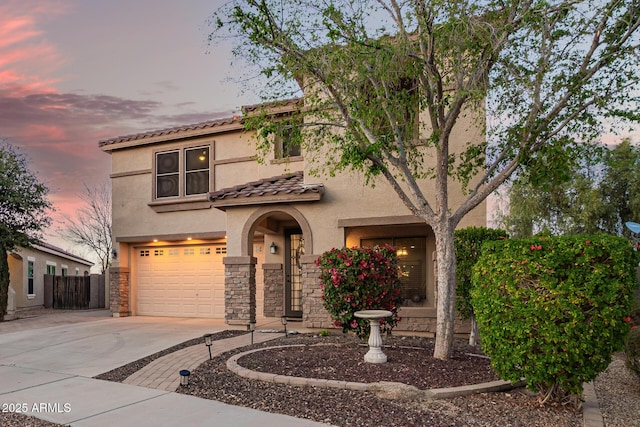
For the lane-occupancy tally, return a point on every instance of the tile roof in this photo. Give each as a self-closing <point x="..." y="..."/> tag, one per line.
<point x="291" y="185"/>
<point x="202" y="125"/>
<point x="272" y="104"/>
<point x="171" y="130"/>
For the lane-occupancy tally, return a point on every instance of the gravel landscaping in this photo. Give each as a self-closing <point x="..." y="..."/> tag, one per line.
<point x="340" y="356"/>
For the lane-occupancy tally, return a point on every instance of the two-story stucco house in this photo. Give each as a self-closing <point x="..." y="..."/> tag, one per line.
<point x="202" y="229"/>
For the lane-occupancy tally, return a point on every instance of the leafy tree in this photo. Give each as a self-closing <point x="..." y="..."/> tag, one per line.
<point x="91" y="227"/>
<point x="590" y="199"/>
<point x="385" y="82"/>
<point x="24" y="211"/>
<point x="620" y="187"/>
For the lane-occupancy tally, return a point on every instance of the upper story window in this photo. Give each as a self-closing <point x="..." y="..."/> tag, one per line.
<point x="197" y="170"/>
<point x="182" y="172"/>
<point x="287" y="143"/>
<point x="168" y="174"/>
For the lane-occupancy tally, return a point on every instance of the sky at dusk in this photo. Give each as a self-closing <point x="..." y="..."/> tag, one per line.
<point x="74" y="72"/>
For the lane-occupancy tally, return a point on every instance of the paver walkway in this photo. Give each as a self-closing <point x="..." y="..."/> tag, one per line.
<point x="163" y="373"/>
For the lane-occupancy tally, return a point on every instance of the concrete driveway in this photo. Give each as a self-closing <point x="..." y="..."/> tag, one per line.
<point x="50" y="368"/>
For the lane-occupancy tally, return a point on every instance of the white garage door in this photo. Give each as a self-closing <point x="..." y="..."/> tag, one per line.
<point x="181" y="281"/>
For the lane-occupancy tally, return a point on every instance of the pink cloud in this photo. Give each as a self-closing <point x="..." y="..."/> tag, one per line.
<point x="59" y="131"/>
<point x="17" y="30"/>
<point x="35" y="132"/>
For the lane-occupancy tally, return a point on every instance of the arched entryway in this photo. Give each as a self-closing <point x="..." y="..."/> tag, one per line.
<point x="286" y="239"/>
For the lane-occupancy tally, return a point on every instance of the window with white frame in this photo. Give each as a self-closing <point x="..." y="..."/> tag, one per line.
<point x="30" y="287"/>
<point x="181" y="173"/>
<point x="65" y="270"/>
<point x="51" y="268"/>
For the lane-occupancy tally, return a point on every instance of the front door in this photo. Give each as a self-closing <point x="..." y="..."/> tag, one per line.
<point x="294" y="247"/>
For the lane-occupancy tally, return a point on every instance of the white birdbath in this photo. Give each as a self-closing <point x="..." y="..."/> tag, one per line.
<point x="375" y="354"/>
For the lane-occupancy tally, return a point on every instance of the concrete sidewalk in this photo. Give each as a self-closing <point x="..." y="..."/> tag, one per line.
<point x="80" y="401"/>
<point x="46" y="372"/>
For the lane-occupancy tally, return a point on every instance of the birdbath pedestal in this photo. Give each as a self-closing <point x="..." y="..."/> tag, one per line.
<point x="375" y="354"/>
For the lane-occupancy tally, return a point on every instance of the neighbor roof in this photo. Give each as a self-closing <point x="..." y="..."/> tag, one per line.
<point x="54" y="250"/>
<point x="278" y="189"/>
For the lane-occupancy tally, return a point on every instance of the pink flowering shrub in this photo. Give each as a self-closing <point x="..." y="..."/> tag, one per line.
<point x="360" y="279"/>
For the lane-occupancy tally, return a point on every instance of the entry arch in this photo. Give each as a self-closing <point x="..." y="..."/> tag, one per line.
<point x="252" y="223"/>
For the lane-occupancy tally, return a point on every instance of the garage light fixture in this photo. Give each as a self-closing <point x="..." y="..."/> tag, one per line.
<point x="273" y="248"/>
<point x="208" y="340"/>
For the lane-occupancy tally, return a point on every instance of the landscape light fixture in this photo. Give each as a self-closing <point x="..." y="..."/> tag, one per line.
<point x="184" y="377"/>
<point x="283" y="319"/>
<point x="273" y="248"/>
<point x="208" y="341"/>
<point x="251" y="327"/>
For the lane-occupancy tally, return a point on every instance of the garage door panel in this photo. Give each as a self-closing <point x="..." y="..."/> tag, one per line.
<point x="180" y="281"/>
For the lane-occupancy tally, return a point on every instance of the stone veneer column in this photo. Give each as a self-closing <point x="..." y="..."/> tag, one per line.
<point x="119" y="291"/>
<point x="240" y="290"/>
<point x="313" y="313"/>
<point x="273" y="290"/>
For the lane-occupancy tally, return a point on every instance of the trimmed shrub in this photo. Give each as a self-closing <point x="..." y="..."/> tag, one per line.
<point x="552" y="310"/>
<point x="632" y="343"/>
<point x="632" y="351"/>
<point x="468" y="244"/>
<point x="360" y="279"/>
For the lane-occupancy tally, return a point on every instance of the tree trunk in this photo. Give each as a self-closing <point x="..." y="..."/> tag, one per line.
<point x="446" y="294"/>
<point x="473" y="335"/>
<point x="4" y="281"/>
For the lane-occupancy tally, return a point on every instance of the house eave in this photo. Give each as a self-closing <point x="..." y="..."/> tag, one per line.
<point x="223" y="204"/>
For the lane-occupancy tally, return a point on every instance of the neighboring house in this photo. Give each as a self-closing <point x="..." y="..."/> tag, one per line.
<point x="202" y="229"/>
<point x="27" y="267"/>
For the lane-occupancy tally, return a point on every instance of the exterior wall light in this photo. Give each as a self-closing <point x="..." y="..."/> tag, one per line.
<point x="273" y="248"/>
<point x="184" y="377"/>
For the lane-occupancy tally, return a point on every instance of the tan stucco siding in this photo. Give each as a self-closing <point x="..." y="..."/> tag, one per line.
<point x="18" y="271"/>
<point x="132" y="215"/>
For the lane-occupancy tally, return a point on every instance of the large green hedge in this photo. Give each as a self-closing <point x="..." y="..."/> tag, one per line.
<point x="552" y="310"/>
<point x="468" y="245"/>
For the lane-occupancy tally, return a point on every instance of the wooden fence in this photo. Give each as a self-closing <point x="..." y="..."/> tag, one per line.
<point x="71" y="292"/>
